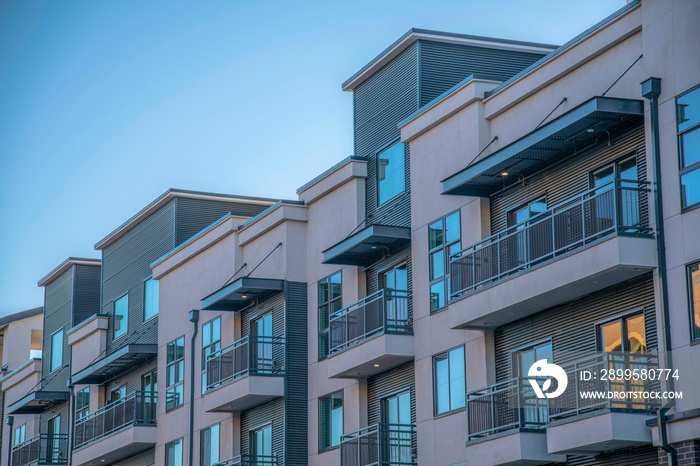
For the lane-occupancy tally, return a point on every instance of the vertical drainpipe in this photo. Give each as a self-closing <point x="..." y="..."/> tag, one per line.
<point x="10" y="422"/>
<point x="194" y="318"/>
<point x="71" y="424"/>
<point x="651" y="89"/>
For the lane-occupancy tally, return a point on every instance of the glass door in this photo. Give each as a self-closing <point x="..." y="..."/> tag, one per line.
<point x="534" y="409"/>
<point x="261" y="329"/>
<point x="149" y="389"/>
<point x="261" y="445"/>
<point x="53" y="441"/>
<point x="628" y="197"/>
<point x="523" y="246"/>
<point x="395" y="283"/>
<point x="626" y="340"/>
<point x="396" y="438"/>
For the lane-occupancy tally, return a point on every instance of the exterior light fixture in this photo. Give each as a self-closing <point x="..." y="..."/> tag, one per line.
<point x="504" y="173"/>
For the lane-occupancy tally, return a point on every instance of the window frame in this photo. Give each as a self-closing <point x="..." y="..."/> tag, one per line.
<point x="218" y="443"/>
<point x="684" y="170"/>
<point x="445" y="247"/>
<point x="125" y="320"/>
<point x="328" y="302"/>
<point x="82" y="411"/>
<point x="251" y="443"/>
<point x="62" y="343"/>
<point x="145" y="297"/>
<point x="451" y="410"/>
<point x="623" y="317"/>
<point x="321" y="399"/>
<point x="178" y="375"/>
<point x="694" y="337"/>
<point x="171" y="445"/>
<point x="510" y="213"/>
<point x="385" y="148"/>
<point x="22" y="431"/>
<point x="212" y="347"/>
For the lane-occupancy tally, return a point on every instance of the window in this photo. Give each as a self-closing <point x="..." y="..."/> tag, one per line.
<point x="173" y="453"/>
<point x="117" y="394"/>
<point x="149" y="388"/>
<point x="688" y="120"/>
<point x="694" y="295"/>
<point x="175" y="374"/>
<point x="443" y="241"/>
<point x="150" y="298"/>
<point x="209" y="446"/>
<point x="211" y="343"/>
<point x="261" y="332"/>
<point x="53" y="444"/>
<point x="330" y="413"/>
<point x="448" y="380"/>
<point x="391" y="180"/>
<point x="395" y="282"/>
<point x="20" y="433"/>
<point x="121" y="316"/>
<point x="526" y="357"/>
<point x="56" y="350"/>
<point x="534" y="411"/>
<point x="329" y="302"/>
<point x="626" y="334"/>
<point x="527" y="211"/>
<point x="82" y="403"/>
<point x="261" y="441"/>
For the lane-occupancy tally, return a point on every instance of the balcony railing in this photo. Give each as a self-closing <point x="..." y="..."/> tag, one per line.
<point x="254" y="355"/>
<point x="42" y="448"/>
<point x="619" y="207"/>
<point x="379" y="445"/>
<point x="507" y="405"/>
<point x="137" y="409"/>
<point x="385" y="311"/>
<point x="250" y="460"/>
<point x="635" y="373"/>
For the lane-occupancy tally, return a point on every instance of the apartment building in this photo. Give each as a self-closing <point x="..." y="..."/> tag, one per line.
<point x="508" y="205"/>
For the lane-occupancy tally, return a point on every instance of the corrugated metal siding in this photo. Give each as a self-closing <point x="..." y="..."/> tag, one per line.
<point x="275" y="305"/>
<point x="444" y="65"/>
<point x="126" y="264"/>
<point x="131" y="379"/>
<point x="387" y="383"/>
<point x="642" y="456"/>
<point x="296" y="390"/>
<point x="193" y="215"/>
<point x="86" y="299"/>
<point x="272" y="413"/>
<point x="146" y="458"/>
<point x="569" y="178"/>
<point x="58" y="296"/>
<point x="373" y="271"/>
<point x="571" y="326"/>
<point x="63" y="410"/>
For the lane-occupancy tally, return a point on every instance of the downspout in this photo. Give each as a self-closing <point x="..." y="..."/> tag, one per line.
<point x="651" y="89"/>
<point x="10" y="422"/>
<point x="194" y="318"/>
<point x="71" y="425"/>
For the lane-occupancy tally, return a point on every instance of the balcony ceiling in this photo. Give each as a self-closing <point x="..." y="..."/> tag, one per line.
<point x="590" y="123"/>
<point x="37" y="402"/>
<point x="122" y="360"/>
<point x="241" y="293"/>
<point x="367" y="245"/>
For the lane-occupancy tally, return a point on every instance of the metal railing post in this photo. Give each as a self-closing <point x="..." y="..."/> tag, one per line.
<point x="616" y="203"/>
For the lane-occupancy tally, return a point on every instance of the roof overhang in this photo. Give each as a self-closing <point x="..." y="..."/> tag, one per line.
<point x="122" y="360"/>
<point x="575" y="131"/>
<point x="65" y="265"/>
<point x="241" y="293"/>
<point x="37" y="402"/>
<point x="366" y="245"/>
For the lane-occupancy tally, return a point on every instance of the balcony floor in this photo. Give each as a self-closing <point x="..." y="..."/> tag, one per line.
<point x="601" y="264"/>
<point x="243" y="393"/>
<point x="371" y="356"/>
<point x="512" y="448"/>
<point x="117" y="446"/>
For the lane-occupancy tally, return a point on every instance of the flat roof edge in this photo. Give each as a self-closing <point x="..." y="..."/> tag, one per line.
<point x="65" y="265"/>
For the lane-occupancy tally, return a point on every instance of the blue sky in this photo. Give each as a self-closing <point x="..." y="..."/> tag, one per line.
<point x="104" y="105"/>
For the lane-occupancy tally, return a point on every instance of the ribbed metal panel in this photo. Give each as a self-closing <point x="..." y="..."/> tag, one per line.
<point x="193" y="215"/>
<point x="63" y="410"/>
<point x="271" y="413"/>
<point x="86" y="293"/>
<point x="146" y="458"/>
<point x="275" y="304"/>
<point x="373" y="272"/>
<point x="569" y="178"/>
<point x="388" y="383"/>
<point x="444" y="65"/>
<point x="132" y="379"/>
<point x="642" y="456"/>
<point x="296" y="390"/>
<point x="58" y="296"/>
<point x="571" y="326"/>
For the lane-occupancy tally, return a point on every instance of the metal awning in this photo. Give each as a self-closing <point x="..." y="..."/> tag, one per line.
<point x="122" y="360"/>
<point x="240" y="293"/>
<point x="579" y="129"/>
<point x="368" y="244"/>
<point x="37" y="402"/>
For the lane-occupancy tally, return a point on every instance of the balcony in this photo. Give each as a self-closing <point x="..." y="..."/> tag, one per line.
<point x="371" y="335"/>
<point x="245" y="373"/>
<point x="590" y="242"/>
<point x="506" y="425"/>
<point x="250" y="460"/>
<point x="591" y="426"/>
<point x="116" y="431"/>
<point x="380" y="445"/>
<point x="41" y="449"/>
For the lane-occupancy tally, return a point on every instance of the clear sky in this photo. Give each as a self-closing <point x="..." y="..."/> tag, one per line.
<point x="104" y="105"/>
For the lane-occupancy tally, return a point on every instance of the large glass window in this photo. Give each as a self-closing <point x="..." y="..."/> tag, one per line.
<point x="121" y="316"/>
<point x="150" y="298"/>
<point x="391" y="180"/>
<point x="694" y="289"/>
<point x="330" y="409"/>
<point x="329" y="302"/>
<point x="57" y="350"/>
<point x="82" y="403"/>
<point x="20" y="434"/>
<point x="444" y="240"/>
<point x="688" y="120"/>
<point x="626" y="335"/>
<point x="173" y="453"/>
<point x="175" y="374"/>
<point x="261" y="441"/>
<point x="211" y="343"/>
<point x="449" y="384"/>
<point x="209" y="446"/>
